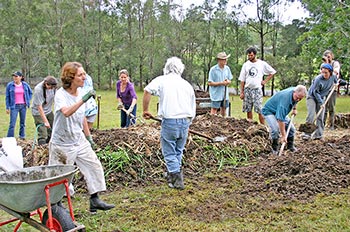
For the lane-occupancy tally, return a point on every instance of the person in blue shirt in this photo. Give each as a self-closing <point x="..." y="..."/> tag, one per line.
<point x="275" y="112"/>
<point x="220" y="77"/>
<point x="18" y="96"/>
<point x="318" y="91"/>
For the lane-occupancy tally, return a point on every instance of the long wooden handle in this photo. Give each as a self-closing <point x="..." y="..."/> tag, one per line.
<point x="288" y="129"/>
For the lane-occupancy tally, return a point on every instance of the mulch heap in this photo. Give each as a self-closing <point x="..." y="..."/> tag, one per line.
<point x="133" y="157"/>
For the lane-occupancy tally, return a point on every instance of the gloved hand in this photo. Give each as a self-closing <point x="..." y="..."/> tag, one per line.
<point x="120" y="106"/>
<point x="92" y="143"/>
<point x="88" y="95"/>
<point x="131" y="108"/>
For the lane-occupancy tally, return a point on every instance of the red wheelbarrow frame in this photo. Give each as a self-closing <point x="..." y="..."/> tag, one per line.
<point x="26" y="217"/>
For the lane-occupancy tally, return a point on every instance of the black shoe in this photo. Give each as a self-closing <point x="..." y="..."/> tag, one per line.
<point x="96" y="203"/>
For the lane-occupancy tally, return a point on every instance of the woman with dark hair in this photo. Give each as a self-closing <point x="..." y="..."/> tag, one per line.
<point x="71" y="141"/>
<point x="127" y="99"/>
<point x="43" y="97"/>
<point x="18" y="96"/>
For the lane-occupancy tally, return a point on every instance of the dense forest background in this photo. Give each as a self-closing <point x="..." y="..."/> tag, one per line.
<point x="39" y="36"/>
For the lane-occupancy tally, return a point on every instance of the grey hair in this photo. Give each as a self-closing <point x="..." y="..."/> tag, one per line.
<point x="301" y="89"/>
<point x="174" y="65"/>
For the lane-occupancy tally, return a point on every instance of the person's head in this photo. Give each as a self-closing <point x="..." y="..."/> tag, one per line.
<point x="72" y="73"/>
<point x="173" y="65"/>
<point x="222" y="58"/>
<point x="50" y="82"/>
<point x="329" y="54"/>
<point x="17" y="77"/>
<point x="299" y="92"/>
<point x="326" y="70"/>
<point x="251" y="53"/>
<point x="123" y="75"/>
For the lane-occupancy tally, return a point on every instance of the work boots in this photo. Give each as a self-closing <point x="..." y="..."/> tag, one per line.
<point x="275" y="146"/>
<point x="176" y="180"/>
<point x="290" y="144"/>
<point x="96" y="203"/>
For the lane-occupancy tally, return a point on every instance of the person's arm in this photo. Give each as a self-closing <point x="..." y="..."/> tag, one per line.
<point x="282" y="127"/>
<point x="241" y="95"/>
<point x="145" y="104"/>
<point x="43" y="116"/>
<point x="69" y="110"/>
<point x="263" y="82"/>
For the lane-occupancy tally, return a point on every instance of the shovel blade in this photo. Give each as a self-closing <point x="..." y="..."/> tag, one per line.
<point x="307" y="127"/>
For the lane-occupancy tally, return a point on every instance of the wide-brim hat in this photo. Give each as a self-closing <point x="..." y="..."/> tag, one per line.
<point x="17" y="74"/>
<point x="222" y="56"/>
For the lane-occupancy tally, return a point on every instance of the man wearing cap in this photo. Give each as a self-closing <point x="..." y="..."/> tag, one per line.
<point x="220" y="77"/>
<point x="251" y="77"/>
<point x="43" y="97"/>
<point x="18" y="96"/>
<point x="319" y="89"/>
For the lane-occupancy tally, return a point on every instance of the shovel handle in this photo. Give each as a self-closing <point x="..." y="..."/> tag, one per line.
<point x="288" y="129"/>
<point x="325" y="102"/>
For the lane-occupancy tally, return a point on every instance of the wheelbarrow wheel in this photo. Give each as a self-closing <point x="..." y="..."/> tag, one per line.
<point x="61" y="219"/>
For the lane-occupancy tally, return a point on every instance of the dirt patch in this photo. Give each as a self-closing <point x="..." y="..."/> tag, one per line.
<point x="243" y="158"/>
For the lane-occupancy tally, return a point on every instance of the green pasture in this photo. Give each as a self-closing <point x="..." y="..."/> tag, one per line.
<point x="110" y="116"/>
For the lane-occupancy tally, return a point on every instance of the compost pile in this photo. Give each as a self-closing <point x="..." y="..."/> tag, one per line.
<point x="342" y="121"/>
<point x="133" y="157"/>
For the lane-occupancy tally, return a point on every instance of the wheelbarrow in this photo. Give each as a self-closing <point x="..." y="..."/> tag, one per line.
<point x="28" y="189"/>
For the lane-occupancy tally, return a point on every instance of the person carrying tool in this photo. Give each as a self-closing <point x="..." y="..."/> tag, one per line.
<point x="71" y="141"/>
<point x="91" y="108"/>
<point x="318" y="91"/>
<point x="251" y="77"/>
<point x="177" y="109"/>
<point x="43" y="97"/>
<point x="127" y="99"/>
<point x="220" y="77"/>
<point x="275" y="112"/>
<point x="330" y="106"/>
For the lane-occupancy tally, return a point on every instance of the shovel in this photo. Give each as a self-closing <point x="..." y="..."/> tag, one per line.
<point x="288" y="129"/>
<point x="132" y="116"/>
<point x="311" y="127"/>
<point x="216" y="139"/>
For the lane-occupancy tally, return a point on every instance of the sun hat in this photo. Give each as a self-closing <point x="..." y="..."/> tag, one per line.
<point x="327" y="66"/>
<point x="223" y="56"/>
<point x="17" y="74"/>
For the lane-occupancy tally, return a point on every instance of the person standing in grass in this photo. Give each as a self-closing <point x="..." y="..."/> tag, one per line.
<point x="251" y="78"/>
<point x="177" y="109"/>
<point x="127" y="99"/>
<point x="220" y="77"/>
<point x="18" y="96"/>
<point x="71" y="142"/>
<point x="44" y="94"/>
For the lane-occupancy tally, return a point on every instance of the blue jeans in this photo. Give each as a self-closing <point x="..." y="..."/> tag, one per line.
<point x="173" y="137"/>
<point x="274" y="128"/>
<point x="21" y="109"/>
<point x="125" y="120"/>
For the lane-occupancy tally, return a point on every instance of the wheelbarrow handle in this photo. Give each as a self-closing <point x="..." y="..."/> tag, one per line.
<point x="288" y="129"/>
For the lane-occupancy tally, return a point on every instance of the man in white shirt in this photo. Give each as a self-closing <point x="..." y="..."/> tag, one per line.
<point x="251" y="78"/>
<point x="177" y="108"/>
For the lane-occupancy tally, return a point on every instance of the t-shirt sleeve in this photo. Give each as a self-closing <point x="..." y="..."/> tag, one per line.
<point x="268" y="69"/>
<point x="153" y="87"/>
<point x="242" y="74"/>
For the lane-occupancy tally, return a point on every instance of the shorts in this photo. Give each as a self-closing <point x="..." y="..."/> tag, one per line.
<point x="219" y="104"/>
<point x="91" y="118"/>
<point x="252" y="98"/>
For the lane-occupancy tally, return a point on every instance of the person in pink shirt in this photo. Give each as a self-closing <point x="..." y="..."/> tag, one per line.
<point x="18" y="96"/>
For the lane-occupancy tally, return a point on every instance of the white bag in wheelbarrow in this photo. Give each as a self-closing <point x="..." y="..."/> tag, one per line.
<point x="11" y="157"/>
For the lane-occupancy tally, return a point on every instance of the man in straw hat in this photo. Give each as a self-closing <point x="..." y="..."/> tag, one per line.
<point x="220" y="77"/>
<point x="251" y="77"/>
